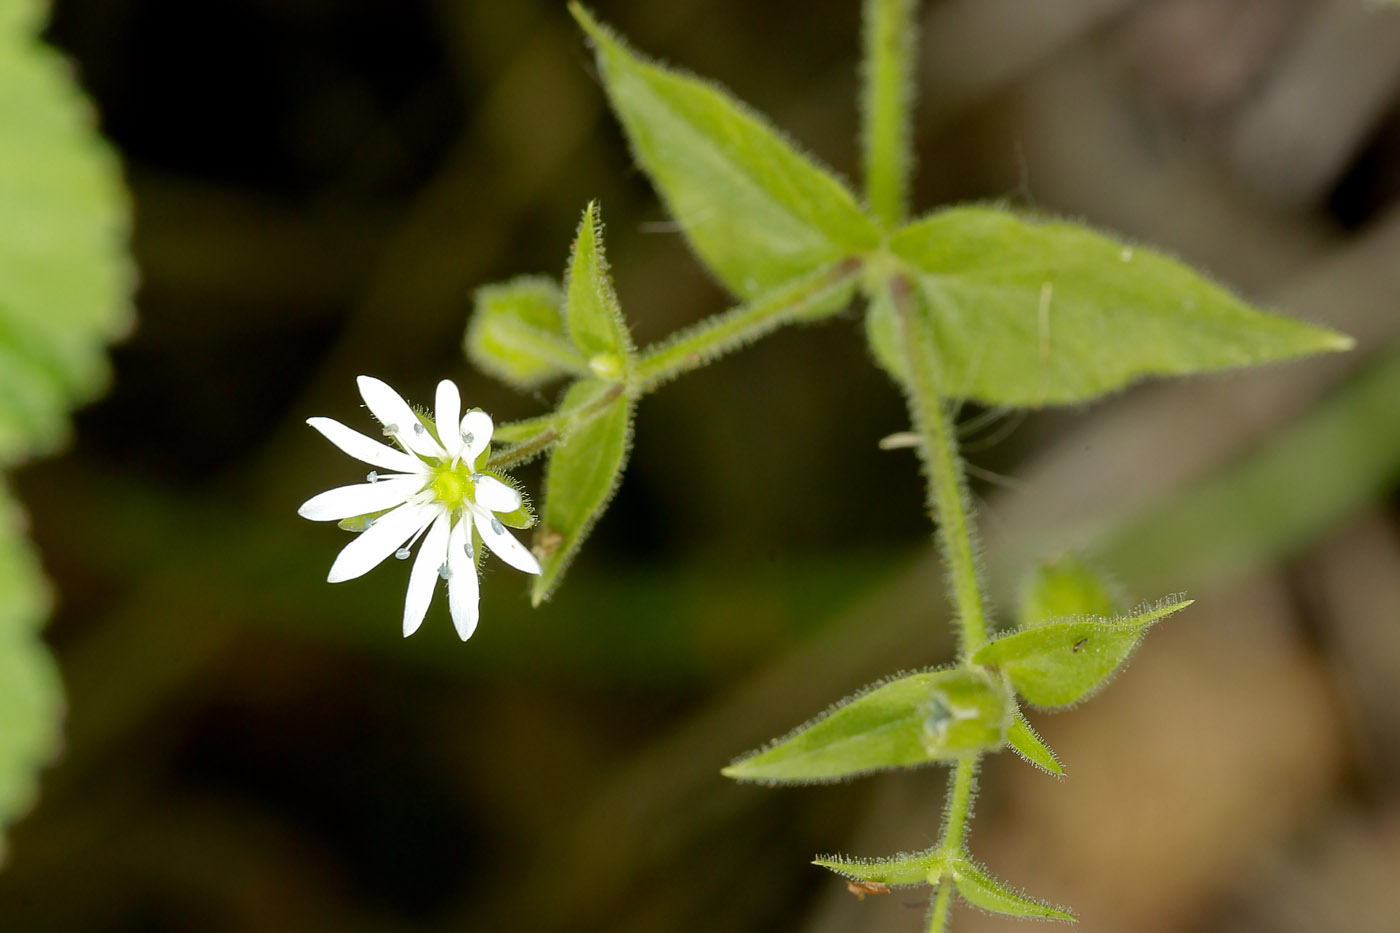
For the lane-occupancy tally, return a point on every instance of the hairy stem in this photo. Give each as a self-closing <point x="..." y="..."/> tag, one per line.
<point x="887" y="106"/>
<point x="962" y="788"/>
<point x="718" y="335"/>
<point x="942" y="903"/>
<point x="947" y="486"/>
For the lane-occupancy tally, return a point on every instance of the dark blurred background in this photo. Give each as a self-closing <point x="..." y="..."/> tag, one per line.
<point x="320" y="185"/>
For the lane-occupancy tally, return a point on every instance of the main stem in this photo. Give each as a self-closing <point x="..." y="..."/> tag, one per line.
<point x="947" y="486"/>
<point x="887" y="94"/>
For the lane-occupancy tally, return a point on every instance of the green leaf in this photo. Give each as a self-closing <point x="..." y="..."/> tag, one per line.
<point x="980" y="889"/>
<point x="1067" y="587"/>
<point x="757" y="210"/>
<point x="1034" y="312"/>
<point x="584" y="470"/>
<point x="898" y="871"/>
<point x="65" y="278"/>
<point x="591" y="309"/>
<point x="1025" y="742"/>
<point x="517" y="333"/>
<point x="1057" y="663"/>
<point x="916" y="719"/>
<point x="31" y="694"/>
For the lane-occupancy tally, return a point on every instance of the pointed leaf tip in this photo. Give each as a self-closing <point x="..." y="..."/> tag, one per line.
<point x="980" y="889"/>
<point x="757" y="210"/>
<point x="1031" y="311"/>
<point x="910" y="721"/>
<point x="1025" y="742"/>
<point x="1059" y="662"/>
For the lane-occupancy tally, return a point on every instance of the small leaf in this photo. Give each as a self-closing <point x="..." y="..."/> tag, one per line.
<point x="517" y="333"/>
<point x="757" y="210"/>
<point x="1025" y="742"/>
<point x="898" y="871"/>
<point x="31" y="694"/>
<point x="980" y="889"/>
<point x="916" y="719"/>
<point x="1057" y="663"/>
<point x="1066" y="587"/>
<point x="584" y="470"/>
<point x="1035" y="312"/>
<point x="591" y="308"/>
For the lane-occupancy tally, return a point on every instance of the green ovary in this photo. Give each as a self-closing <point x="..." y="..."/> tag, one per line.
<point x="452" y="486"/>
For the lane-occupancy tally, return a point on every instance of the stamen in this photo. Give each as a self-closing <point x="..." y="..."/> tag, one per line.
<point x="390" y="430"/>
<point x="497" y="527"/>
<point x="401" y="553"/>
<point x="468" y="437"/>
<point x="372" y="476"/>
<point x="445" y="571"/>
<point x="418" y="427"/>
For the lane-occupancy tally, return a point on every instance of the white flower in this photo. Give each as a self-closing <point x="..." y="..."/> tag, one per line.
<point x="434" y="486"/>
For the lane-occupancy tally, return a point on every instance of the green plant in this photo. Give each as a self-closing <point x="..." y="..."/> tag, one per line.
<point x="973" y="303"/>
<point x="65" y="290"/>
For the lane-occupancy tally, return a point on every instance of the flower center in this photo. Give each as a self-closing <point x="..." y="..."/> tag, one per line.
<point x="452" y="486"/>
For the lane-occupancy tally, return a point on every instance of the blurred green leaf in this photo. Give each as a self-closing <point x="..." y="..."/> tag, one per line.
<point x="591" y="308"/>
<point x="65" y="289"/>
<point x="980" y="889"/>
<point x="1335" y="460"/>
<point x="1056" y="663"/>
<point x="65" y="279"/>
<point x="584" y="470"/>
<point x="1025" y="742"/>
<point x="31" y="695"/>
<point x="902" y="870"/>
<point x="1066" y="587"/>
<point x="517" y="333"/>
<point x="757" y="210"/>
<point x="1035" y="312"/>
<point x="931" y="716"/>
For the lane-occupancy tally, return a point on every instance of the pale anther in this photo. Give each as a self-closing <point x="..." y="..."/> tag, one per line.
<point x="497" y="527"/>
<point x="372" y="476"/>
<point x="401" y="553"/>
<point x="418" y="427"/>
<point x="390" y="430"/>
<point x="444" y="571"/>
<point x="468" y="436"/>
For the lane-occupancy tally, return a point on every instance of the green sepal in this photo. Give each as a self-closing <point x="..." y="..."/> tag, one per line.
<point x="591" y="309"/>
<point x="1066" y="587"/>
<point x="517" y="332"/>
<point x="1024" y="741"/>
<point x="755" y="209"/>
<point x="897" y="871"/>
<point x="1028" y="311"/>
<point x="977" y="886"/>
<point x="584" y="470"/>
<point x="931" y="716"/>
<point x="1060" y="662"/>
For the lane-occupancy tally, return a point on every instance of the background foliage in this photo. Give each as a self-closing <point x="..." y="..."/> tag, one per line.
<point x="249" y="748"/>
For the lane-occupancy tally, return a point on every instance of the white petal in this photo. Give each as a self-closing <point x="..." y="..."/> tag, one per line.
<point x="361" y="499"/>
<point x="494" y="494"/>
<point x="422" y="580"/>
<point x="478" y="426"/>
<point x="366" y="449"/>
<point x="378" y="541"/>
<point x="503" y="544"/>
<point x="393" y="412"/>
<point x="461" y="581"/>
<point x="448" y="411"/>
